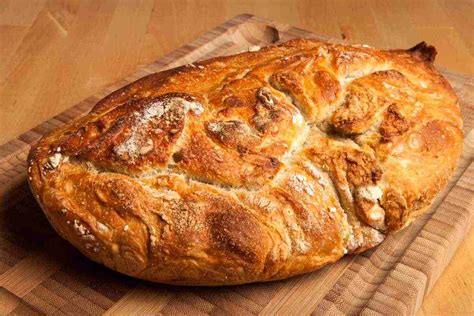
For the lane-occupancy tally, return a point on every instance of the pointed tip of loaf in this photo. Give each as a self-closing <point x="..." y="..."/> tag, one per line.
<point x="424" y="51"/>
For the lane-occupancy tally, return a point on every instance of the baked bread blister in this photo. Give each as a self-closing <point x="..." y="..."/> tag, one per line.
<point x="252" y="167"/>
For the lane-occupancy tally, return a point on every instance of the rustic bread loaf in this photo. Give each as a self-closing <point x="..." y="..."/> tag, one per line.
<point x="252" y="167"/>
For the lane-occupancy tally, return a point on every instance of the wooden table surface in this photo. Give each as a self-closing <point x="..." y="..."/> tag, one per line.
<point x="55" y="53"/>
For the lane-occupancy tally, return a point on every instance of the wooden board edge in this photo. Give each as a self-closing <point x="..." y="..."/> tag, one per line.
<point x="402" y="290"/>
<point x="10" y="146"/>
<point x="169" y="58"/>
<point x="404" y="278"/>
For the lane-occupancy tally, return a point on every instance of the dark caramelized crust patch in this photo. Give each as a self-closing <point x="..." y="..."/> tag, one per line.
<point x="136" y="136"/>
<point x="237" y="234"/>
<point x="394" y="124"/>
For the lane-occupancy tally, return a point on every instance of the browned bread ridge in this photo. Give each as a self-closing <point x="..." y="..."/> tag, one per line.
<point x="252" y="167"/>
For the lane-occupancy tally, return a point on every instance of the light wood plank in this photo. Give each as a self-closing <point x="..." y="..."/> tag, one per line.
<point x="143" y="300"/>
<point x="34" y="269"/>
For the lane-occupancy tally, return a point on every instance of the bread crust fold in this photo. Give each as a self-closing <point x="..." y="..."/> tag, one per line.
<point x="252" y="167"/>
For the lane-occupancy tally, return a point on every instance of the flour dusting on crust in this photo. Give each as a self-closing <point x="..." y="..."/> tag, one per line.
<point x="136" y="144"/>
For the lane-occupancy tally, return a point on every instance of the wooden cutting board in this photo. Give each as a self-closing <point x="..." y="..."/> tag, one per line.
<point x="40" y="273"/>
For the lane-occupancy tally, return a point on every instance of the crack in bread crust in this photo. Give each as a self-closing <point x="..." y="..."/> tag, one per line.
<point x="252" y="167"/>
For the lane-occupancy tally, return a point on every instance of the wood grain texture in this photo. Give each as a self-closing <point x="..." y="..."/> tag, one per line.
<point x="246" y="299"/>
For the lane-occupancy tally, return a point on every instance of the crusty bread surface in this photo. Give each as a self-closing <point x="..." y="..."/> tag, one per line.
<point x="252" y="167"/>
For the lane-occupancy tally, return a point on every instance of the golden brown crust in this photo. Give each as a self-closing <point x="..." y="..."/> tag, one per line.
<point x="252" y="167"/>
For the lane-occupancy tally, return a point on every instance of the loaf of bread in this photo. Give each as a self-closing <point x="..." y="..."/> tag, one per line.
<point x="252" y="167"/>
